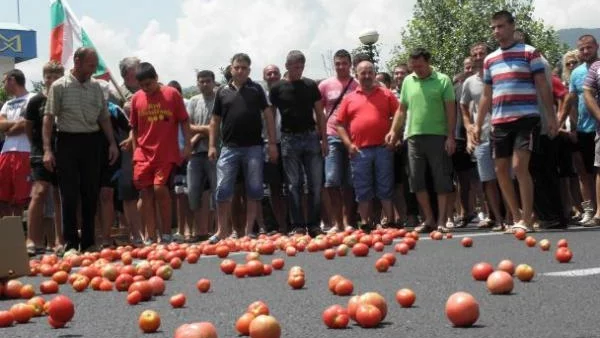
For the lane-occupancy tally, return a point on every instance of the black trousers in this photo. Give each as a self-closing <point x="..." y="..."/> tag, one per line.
<point x="78" y="170"/>
<point x="543" y="166"/>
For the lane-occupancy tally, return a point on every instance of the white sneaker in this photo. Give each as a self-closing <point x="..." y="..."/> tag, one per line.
<point x="588" y="215"/>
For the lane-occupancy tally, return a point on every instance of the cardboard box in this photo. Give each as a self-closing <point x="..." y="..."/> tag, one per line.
<point x="14" y="261"/>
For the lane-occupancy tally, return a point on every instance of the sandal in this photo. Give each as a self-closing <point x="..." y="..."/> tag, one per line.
<point x="486" y="224"/>
<point x="443" y="229"/>
<point x="424" y="228"/>
<point x="517" y="226"/>
<point x="499" y="228"/>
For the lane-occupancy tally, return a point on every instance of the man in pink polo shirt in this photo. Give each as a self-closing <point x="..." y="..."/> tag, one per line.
<point x="337" y="170"/>
<point x="363" y="120"/>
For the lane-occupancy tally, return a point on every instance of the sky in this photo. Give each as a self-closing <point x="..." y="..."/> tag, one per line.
<point x="180" y="36"/>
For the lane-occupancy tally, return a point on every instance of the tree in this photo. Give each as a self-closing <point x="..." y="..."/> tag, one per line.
<point x="372" y="50"/>
<point x="3" y="96"/>
<point x="448" y="28"/>
<point x="38" y="86"/>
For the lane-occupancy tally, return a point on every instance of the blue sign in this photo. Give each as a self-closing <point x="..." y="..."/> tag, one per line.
<point x="18" y="44"/>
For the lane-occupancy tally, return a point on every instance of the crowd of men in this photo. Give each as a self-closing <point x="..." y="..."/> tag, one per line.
<point x="361" y="149"/>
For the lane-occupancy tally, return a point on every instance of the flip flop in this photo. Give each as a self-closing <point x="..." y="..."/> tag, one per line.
<point x="214" y="239"/>
<point x="518" y="226"/>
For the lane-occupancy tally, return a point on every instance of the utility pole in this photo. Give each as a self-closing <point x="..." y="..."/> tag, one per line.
<point x="18" y="12"/>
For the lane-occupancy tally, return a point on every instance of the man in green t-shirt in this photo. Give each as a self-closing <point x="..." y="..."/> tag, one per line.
<point x="429" y="96"/>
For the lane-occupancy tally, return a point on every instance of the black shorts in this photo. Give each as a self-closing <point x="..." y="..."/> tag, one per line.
<point x="461" y="159"/>
<point x="40" y="173"/>
<point x="586" y="146"/>
<point x="400" y="163"/>
<point x="516" y="135"/>
<point x="273" y="173"/>
<point x="565" y="156"/>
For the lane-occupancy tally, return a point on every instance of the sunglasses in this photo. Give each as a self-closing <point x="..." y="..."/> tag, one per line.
<point x="571" y="63"/>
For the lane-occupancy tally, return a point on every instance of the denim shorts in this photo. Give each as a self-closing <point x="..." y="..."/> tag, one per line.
<point x="485" y="162"/>
<point x="250" y="160"/>
<point x="337" y="164"/>
<point x="373" y="174"/>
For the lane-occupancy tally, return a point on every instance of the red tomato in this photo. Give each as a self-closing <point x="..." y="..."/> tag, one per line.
<point x="242" y="325"/>
<point x="563" y="254"/>
<point x="240" y="271"/>
<point x="278" y="263"/>
<point x="296" y="281"/>
<point x="6" y="318"/>
<point x="562" y="243"/>
<point x="227" y="266"/>
<point x="344" y="287"/>
<point x="81" y="283"/>
<point x="203" y="285"/>
<point x="353" y="303"/>
<point x="55" y="324"/>
<point x="462" y="309"/>
<point x="177" y="300"/>
<point x="258" y="308"/>
<point x="368" y="315"/>
<point x="391" y="258"/>
<point x="265" y="327"/>
<point x="500" y="282"/>
<point x="530" y="241"/>
<point x="329" y="254"/>
<point x="27" y="291"/>
<point x="12" y="289"/>
<point x="382" y="265"/>
<point x="481" y="271"/>
<point x="158" y="285"/>
<point x="22" y="312"/>
<point x="48" y="287"/>
<point x="524" y="272"/>
<point x="467" y="242"/>
<point x="123" y="282"/>
<point x="520" y="234"/>
<point x="360" y="250"/>
<point x="196" y="330"/>
<point x="61" y="309"/>
<point x="402" y="248"/>
<point x="378" y="246"/>
<point x="405" y="297"/>
<point x="507" y="266"/>
<point x="143" y="287"/>
<point x="60" y="277"/>
<point x="149" y="321"/>
<point x="267" y="270"/>
<point x="134" y="297"/>
<point x="222" y="251"/>
<point x="333" y="280"/>
<point x="105" y="285"/>
<point x="376" y="300"/>
<point x="255" y="268"/>
<point x="336" y="317"/>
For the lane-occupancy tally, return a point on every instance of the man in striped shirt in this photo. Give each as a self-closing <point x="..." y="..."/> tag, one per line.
<point x="513" y="76"/>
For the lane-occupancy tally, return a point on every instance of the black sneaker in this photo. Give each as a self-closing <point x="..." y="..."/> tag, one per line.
<point x="315" y="231"/>
<point x="298" y="231"/>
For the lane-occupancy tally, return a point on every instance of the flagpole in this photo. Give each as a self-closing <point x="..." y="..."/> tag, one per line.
<point x="74" y="18"/>
<point x="18" y="12"/>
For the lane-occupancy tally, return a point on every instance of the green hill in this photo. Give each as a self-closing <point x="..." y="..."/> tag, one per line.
<point x="570" y="35"/>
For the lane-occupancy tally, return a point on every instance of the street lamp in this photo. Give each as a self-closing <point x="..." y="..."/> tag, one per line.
<point x="369" y="37"/>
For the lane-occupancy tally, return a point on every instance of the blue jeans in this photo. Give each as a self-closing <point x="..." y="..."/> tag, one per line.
<point x="301" y="154"/>
<point x="337" y="166"/>
<point x="373" y="174"/>
<point x="228" y="165"/>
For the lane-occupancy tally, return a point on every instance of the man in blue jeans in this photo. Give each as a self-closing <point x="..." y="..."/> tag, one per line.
<point x="303" y="141"/>
<point x="363" y="120"/>
<point x="237" y="110"/>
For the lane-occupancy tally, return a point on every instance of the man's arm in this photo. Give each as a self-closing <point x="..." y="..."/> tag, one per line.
<point x="321" y="126"/>
<point x="485" y="106"/>
<point x="187" y="137"/>
<point x="269" y="116"/>
<point x="5" y="124"/>
<point x="569" y="105"/>
<point x="17" y="128"/>
<point x="589" y="96"/>
<point x="450" y="108"/>
<point x="215" y="126"/>
<point x="113" y="151"/>
<point x="543" y="88"/>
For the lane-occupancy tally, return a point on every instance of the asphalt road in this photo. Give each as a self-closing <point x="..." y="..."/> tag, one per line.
<point x="549" y="306"/>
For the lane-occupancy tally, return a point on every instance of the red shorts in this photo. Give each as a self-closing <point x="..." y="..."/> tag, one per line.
<point x="15" y="183"/>
<point x="147" y="174"/>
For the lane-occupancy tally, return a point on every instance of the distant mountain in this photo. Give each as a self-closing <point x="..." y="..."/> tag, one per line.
<point x="570" y="35"/>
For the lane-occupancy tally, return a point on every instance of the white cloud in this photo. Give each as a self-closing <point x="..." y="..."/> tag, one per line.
<point x="209" y="32"/>
<point x="569" y="14"/>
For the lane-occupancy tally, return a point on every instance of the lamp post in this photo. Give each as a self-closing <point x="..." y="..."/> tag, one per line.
<point x="369" y="38"/>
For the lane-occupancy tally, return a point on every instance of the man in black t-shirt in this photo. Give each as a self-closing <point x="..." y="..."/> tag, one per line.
<point x="237" y="112"/>
<point x="303" y="141"/>
<point x="44" y="181"/>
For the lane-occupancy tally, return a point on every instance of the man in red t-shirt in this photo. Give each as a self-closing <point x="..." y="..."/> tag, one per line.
<point x="156" y="113"/>
<point x="363" y="118"/>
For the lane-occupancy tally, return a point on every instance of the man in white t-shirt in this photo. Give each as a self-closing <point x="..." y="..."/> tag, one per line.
<point x="15" y="185"/>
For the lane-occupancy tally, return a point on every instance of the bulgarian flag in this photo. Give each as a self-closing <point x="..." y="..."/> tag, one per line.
<point x="67" y="35"/>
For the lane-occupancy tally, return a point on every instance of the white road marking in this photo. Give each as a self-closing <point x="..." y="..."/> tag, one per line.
<point x="573" y="273"/>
